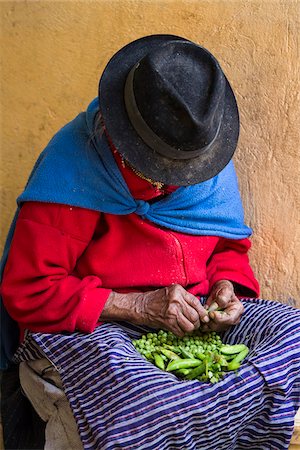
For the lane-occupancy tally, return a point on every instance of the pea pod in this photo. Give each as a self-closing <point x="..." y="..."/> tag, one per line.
<point x="172" y="348"/>
<point x="159" y="362"/>
<point x="229" y="357"/>
<point x="222" y="360"/>
<point x="214" y="307"/>
<point x="196" y="372"/>
<point x="200" y="355"/>
<point x="183" y="372"/>
<point x="235" y="363"/>
<point x="148" y="355"/>
<point x="186" y="354"/>
<point x="232" y="349"/>
<point x="168" y="353"/>
<point x="182" y="364"/>
<point x="242" y="355"/>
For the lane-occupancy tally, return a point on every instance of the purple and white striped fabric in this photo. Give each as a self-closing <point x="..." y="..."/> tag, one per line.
<point x="120" y="400"/>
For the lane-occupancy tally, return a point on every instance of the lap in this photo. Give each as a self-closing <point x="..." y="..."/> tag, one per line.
<point x="121" y="401"/>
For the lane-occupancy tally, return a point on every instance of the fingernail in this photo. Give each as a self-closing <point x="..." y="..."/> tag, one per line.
<point x="206" y="319"/>
<point x="212" y="315"/>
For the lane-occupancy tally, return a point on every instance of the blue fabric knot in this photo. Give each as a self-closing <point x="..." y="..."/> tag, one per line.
<point x="142" y="207"/>
<point x="211" y="208"/>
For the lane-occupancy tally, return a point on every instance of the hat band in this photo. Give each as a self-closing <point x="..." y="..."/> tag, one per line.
<point x="147" y="134"/>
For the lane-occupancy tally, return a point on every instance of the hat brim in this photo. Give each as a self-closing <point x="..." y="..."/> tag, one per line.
<point x="133" y="148"/>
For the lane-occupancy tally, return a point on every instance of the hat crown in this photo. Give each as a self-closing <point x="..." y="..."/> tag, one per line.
<point x="179" y="90"/>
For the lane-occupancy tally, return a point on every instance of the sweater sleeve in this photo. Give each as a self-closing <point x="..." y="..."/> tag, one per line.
<point x="230" y="261"/>
<point x="39" y="288"/>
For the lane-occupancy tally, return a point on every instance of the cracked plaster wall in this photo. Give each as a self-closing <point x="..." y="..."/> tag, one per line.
<point x="53" y="53"/>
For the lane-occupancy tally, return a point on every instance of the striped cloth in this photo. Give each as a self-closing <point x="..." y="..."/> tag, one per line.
<point x="120" y="400"/>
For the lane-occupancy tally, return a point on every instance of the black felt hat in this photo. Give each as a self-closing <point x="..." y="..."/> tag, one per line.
<point x="169" y="109"/>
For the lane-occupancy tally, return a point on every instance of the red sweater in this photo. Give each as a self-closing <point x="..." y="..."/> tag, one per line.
<point x="64" y="261"/>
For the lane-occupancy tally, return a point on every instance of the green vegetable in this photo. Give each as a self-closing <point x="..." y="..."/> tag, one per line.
<point x="235" y="363"/>
<point x="185" y="353"/>
<point x="159" y="362"/>
<point x="183" y="372"/>
<point x="182" y="364"/>
<point x="232" y="349"/>
<point x="242" y="355"/>
<point x="198" y="355"/>
<point x="168" y="353"/>
<point x="196" y="372"/>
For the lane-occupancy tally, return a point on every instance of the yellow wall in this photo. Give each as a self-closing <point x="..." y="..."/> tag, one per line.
<point x="53" y="53"/>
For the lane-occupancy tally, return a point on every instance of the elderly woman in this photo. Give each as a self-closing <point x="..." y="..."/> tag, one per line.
<point x="132" y="220"/>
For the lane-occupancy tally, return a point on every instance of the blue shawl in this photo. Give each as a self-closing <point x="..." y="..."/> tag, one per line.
<point x="78" y="170"/>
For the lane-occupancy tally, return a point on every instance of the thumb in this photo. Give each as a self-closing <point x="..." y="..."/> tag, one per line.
<point x="223" y="295"/>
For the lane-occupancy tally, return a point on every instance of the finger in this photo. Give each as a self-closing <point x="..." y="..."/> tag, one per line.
<point x="175" y="329"/>
<point x="212" y="326"/>
<point x="222" y="320"/>
<point x="215" y="326"/>
<point x="191" y="314"/>
<point x="190" y="310"/>
<point x="194" y="302"/>
<point x="231" y="315"/>
<point x="221" y="293"/>
<point x="206" y="327"/>
<point x="184" y="324"/>
<point x="220" y="299"/>
<point x="223" y="296"/>
<point x="209" y="301"/>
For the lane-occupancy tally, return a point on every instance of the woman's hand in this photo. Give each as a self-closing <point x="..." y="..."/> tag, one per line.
<point x="174" y="309"/>
<point x="171" y="308"/>
<point x="222" y="296"/>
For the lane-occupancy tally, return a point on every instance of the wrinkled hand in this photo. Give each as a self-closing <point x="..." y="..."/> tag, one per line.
<point x="222" y="296"/>
<point x="174" y="309"/>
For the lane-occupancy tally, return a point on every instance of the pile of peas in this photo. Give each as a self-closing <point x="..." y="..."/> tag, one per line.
<point x="199" y="355"/>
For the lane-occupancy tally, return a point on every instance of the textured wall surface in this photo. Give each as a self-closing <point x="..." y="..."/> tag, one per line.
<point x="54" y="51"/>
